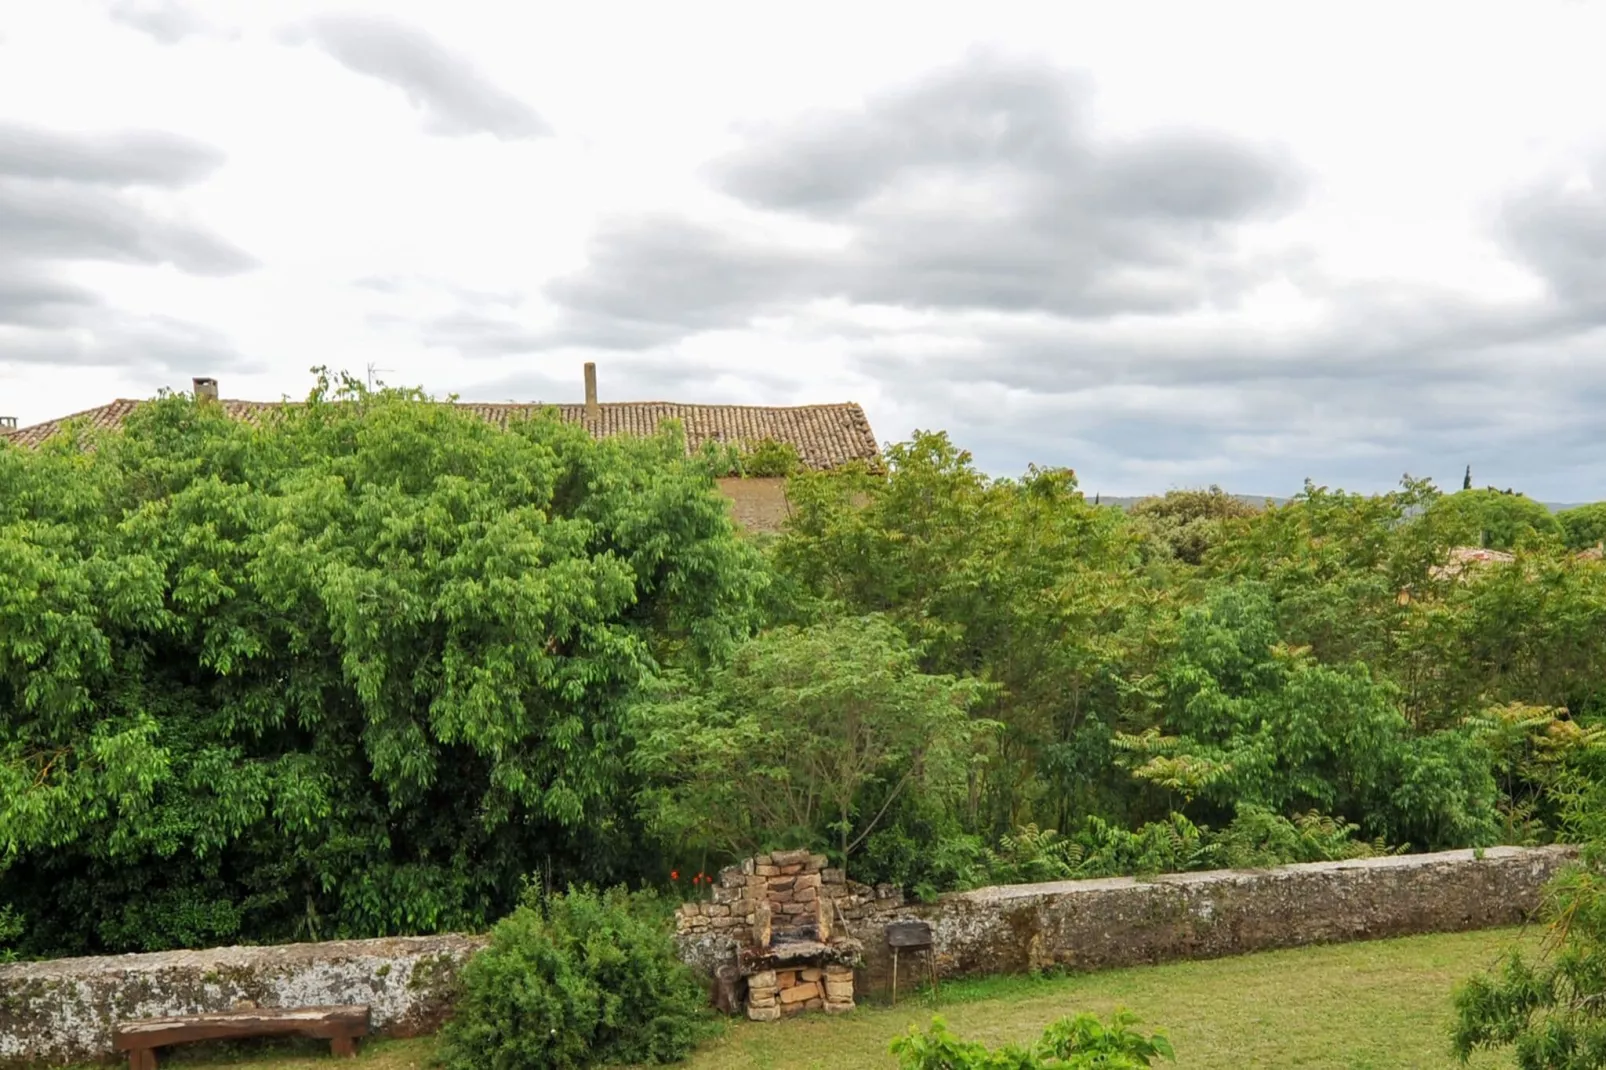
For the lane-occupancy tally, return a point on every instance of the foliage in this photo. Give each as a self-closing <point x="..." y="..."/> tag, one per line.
<point x="1256" y="838"/>
<point x="1023" y="584"/>
<point x="1494" y="519"/>
<point x="576" y="980"/>
<point x="1548" y="1010"/>
<point x="788" y="739"/>
<point x="350" y="671"/>
<point x="1249" y="720"/>
<point x="1187" y="523"/>
<point x="766" y="458"/>
<point x="1583" y="526"/>
<point x="1082" y="1042"/>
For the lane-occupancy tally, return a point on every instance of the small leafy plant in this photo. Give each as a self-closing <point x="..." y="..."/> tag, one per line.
<point x="578" y="980"/>
<point x="1082" y="1042"/>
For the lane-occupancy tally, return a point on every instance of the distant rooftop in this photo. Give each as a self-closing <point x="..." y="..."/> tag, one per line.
<point x="825" y="436"/>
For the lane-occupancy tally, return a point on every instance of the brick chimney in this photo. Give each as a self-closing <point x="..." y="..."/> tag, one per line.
<point x="205" y="389"/>
<point x="8" y="423"/>
<point x="593" y="410"/>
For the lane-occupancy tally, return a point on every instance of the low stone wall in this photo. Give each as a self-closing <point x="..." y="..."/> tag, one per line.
<point x="62" y="1011"/>
<point x="1125" y="922"/>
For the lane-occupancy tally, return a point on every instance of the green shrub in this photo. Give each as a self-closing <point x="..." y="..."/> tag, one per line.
<point x="590" y="979"/>
<point x="1079" y="1043"/>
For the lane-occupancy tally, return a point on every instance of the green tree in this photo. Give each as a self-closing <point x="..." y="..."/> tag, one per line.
<point x="351" y="671"/>
<point x="786" y="741"/>
<point x="1021" y="583"/>
<point x="1187" y="523"/>
<point x="1584" y="526"/>
<point x="1493" y="519"/>
<point x="1546" y="1009"/>
<point x="1250" y="721"/>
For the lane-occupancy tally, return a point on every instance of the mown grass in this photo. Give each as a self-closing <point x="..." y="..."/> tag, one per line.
<point x="1381" y="1005"/>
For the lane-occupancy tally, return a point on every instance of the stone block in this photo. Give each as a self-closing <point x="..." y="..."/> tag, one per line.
<point x="762" y="1001"/>
<point x="766" y="871"/>
<point x="763" y="979"/>
<point x="781" y="884"/>
<point x="818" y="862"/>
<point x="805" y="895"/>
<point x="792" y="870"/>
<point x="764" y="1014"/>
<point x="838" y="1006"/>
<point x="833" y="876"/>
<point x="717" y="910"/>
<point x="810" y="973"/>
<point x="798" y="993"/>
<point x="785" y="978"/>
<point x="780" y="897"/>
<point x="787" y="858"/>
<point x="814" y="1004"/>
<point x="839" y="990"/>
<point x="792" y="1009"/>
<point x="806" y="880"/>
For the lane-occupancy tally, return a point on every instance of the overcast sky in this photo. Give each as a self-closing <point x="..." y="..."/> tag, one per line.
<point x="1163" y="244"/>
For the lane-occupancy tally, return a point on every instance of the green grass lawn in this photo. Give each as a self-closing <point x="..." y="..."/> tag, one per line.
<point x="1367" y="1006"/>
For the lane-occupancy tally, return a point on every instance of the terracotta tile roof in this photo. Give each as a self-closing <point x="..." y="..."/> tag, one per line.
<point x="825" y="436"/>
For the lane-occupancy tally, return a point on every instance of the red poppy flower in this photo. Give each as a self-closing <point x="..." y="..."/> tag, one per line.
<point x="674" y="874"/>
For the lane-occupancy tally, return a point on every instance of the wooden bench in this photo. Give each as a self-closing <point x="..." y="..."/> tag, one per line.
<point x="341" y="1026"/>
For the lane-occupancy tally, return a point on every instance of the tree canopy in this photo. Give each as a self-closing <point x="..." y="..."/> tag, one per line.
<point x="354" y="670"/>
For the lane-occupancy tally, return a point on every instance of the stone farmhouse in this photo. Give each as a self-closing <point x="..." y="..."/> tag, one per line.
<point x="825" y="436"/>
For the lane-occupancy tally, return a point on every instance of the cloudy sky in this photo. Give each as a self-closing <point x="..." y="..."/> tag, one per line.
<point x="1164" y="244"/>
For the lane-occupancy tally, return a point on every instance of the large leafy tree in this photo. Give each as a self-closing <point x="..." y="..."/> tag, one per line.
<point x="807" y="737"/>
<point x="1249" y="720"/>
<point x="1495" y="519"/>
<point x="353" y="670"/>
<point x="1021" y="583"/>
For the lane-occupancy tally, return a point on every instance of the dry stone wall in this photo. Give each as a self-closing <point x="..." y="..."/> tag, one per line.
<point x="62" y="1011"/>
<point x="1126" y="921"/>
<point x="1094" y="924"/>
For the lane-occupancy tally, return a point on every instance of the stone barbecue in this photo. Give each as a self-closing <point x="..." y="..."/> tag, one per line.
<point x="782" y="915"/>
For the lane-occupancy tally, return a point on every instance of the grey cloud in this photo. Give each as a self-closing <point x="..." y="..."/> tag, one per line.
<point x="128" y="158"/>
<point x="63" y="200"/>
<point x="454" y="97"/>
<point x="983" y="112"/>
<point x="100" y="336"/>
<point x="980" y="187"/>
<point x="53" y="222"/>
<point x="1559" y="230"/>
<point x="167" y="21"/>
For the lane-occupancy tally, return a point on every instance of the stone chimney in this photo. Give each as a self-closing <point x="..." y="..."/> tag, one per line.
<point x="593" y="410"/>
<point x="205" y="389"/>
<point x="8" y="423"/>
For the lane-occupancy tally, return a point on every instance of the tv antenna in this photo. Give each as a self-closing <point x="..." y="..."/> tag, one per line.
<point x="372" y="370"/>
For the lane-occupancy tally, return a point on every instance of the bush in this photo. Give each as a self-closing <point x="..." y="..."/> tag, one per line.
<point x="590" y="979"/>
<point x="1079" y="1043"/>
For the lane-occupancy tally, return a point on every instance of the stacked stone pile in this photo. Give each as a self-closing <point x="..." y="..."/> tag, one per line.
<point x="783" y="917"/>
<point x="772" y="993"/>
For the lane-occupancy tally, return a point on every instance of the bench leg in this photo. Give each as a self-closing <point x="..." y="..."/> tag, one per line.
<point x="343" y="1046"/>
<point x="142" y="1059"/>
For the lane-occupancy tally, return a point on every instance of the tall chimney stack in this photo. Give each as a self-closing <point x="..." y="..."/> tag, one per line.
<point x="205" y="389"/>
<point x="593" y="410"/>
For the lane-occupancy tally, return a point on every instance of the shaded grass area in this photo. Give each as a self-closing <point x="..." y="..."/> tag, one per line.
<point x="1380" y="1005"/>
